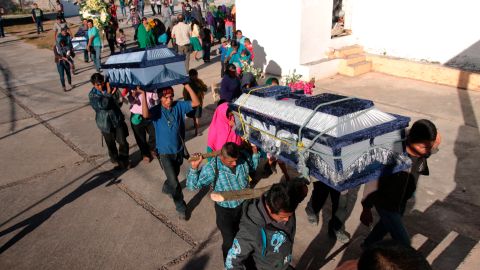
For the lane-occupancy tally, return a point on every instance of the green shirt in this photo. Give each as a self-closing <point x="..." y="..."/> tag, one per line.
<point x="93" y="32"/>
<point x="145" y="38"/>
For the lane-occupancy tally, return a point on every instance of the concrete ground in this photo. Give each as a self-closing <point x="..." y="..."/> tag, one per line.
<point x="64" y="208"/>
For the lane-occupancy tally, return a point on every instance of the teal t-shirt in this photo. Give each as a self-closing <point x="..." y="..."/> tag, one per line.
<point x="93" y="32"/>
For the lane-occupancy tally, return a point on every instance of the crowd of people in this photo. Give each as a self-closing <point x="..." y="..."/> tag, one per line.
<point x="256" y="233"/>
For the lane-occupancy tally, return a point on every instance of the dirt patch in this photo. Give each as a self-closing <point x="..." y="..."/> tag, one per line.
<point x="28" y="33"/>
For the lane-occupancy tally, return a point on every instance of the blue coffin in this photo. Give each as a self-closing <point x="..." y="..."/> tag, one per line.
<point x="79" y="43"/>
<point x="356" y="142"/>
<point x="150" y="68"/>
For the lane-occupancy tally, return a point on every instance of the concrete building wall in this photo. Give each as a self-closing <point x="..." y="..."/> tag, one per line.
<point x="315" y="29"/>
<point x="274" y="28"/>
<point x="432" y="30"/>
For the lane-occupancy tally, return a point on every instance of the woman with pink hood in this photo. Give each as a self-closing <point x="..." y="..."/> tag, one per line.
<point x="221" y="129"/>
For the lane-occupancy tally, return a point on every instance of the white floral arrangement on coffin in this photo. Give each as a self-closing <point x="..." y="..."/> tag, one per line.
<point x="97" y="10"/>
<point x="249" y="67"/>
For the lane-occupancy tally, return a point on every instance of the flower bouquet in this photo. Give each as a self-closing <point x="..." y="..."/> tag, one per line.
<point x="294" y="81"/>
<point x="97" y="10"/>
<point x="248" y="67"/>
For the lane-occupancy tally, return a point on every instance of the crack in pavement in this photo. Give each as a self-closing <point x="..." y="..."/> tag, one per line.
<point x="185" y="236"/>
<point x="47" y="125"/>
<point x="212" y="237"/>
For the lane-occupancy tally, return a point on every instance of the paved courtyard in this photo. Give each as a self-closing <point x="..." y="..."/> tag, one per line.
<point x="62" y="206"/>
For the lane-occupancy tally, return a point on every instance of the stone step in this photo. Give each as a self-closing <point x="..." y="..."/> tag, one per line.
<point x="349" y="50"/>
<point x="354" y="59"/>
<point x="356" y="69"/>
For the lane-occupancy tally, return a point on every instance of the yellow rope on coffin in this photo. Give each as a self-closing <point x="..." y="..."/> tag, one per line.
<point x="243" y="103"/>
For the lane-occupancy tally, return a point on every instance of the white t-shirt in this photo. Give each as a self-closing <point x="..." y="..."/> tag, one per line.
<point x="182" y="33"/>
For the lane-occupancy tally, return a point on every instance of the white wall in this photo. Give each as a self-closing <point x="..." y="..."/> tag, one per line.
<point x="433" y="30"/>
<point x="315" y="29"/>
<point x="273" y="26"/>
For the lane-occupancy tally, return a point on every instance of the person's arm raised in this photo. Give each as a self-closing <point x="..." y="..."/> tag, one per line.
<point x="195" y="99"/>
<point x="143" y="97"/>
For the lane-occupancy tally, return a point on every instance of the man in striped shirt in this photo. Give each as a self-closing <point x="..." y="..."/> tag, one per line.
<point x="227" y="172"/>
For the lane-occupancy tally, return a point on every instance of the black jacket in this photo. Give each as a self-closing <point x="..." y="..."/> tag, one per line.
<point x="267" y="242"/>
<point x="394" y="190"/>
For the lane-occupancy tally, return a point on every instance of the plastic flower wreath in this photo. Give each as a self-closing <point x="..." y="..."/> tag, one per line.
<point x="294" y="81"/>
<point x="97" y="10"/>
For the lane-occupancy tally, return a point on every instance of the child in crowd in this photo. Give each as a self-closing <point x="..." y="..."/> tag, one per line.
<point x="248" y="45"/>
<point x="229" y="27"/>
<point x="222" y="50"/>
<point x="272" y="81"/>
<point x="244" y="57"/>
<point x="200" y="88"/>
<point x="122" y="40"/>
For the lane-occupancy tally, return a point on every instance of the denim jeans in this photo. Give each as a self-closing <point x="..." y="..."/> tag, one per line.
<point x="229" y="32"/>
<point x="212" y="29"/>
<point x="123" y="10"/>
<point x="2" y="31"/>
<point x="390" y="222"/>
<point x="118" y="135"/>
<point x="141" y="8"/>
<point x="39" y="23"/>
<point x="170" y="164"/>
<point x="64" y="68"/>
<point x="96" y="60"/>
<point x="140" y="132"/>
<point x="319" y="197"/>
<point x="206" y="51"/>
<point x="86" y="57"/>
<point x="185" y="50"/>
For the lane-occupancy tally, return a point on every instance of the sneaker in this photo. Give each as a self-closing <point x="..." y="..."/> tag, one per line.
<point x="312" y="217"/>
<point x="122" y="165"/>
<point x="182" y="215"/>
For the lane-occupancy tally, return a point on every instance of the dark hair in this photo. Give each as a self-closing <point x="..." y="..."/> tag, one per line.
<point x="221" y="101"/>
<point x="180" y="17"/>
<point x="234" y="43"/>
<point x="230" y="150"/>
<point x="97" y="78"/>
<point x="59" y="17"/>
<point x="90" y="20"/>
<point x="144" y="18"/>
<point x="192" y="72"/>
<point x="285" y="196"/>
<point x="165" y="90"/>
<point x="275" y="80"/>
<point x="422" y="130"/>
<point x="194" y="21"/>
<point x="120" y="30"/>
<point x="392" y="256"/>
<point x="230" y="67"/>
<point x="238" y="31"/>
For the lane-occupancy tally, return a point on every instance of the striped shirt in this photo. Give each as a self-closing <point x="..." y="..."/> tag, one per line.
<point x="227" y="179"/>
